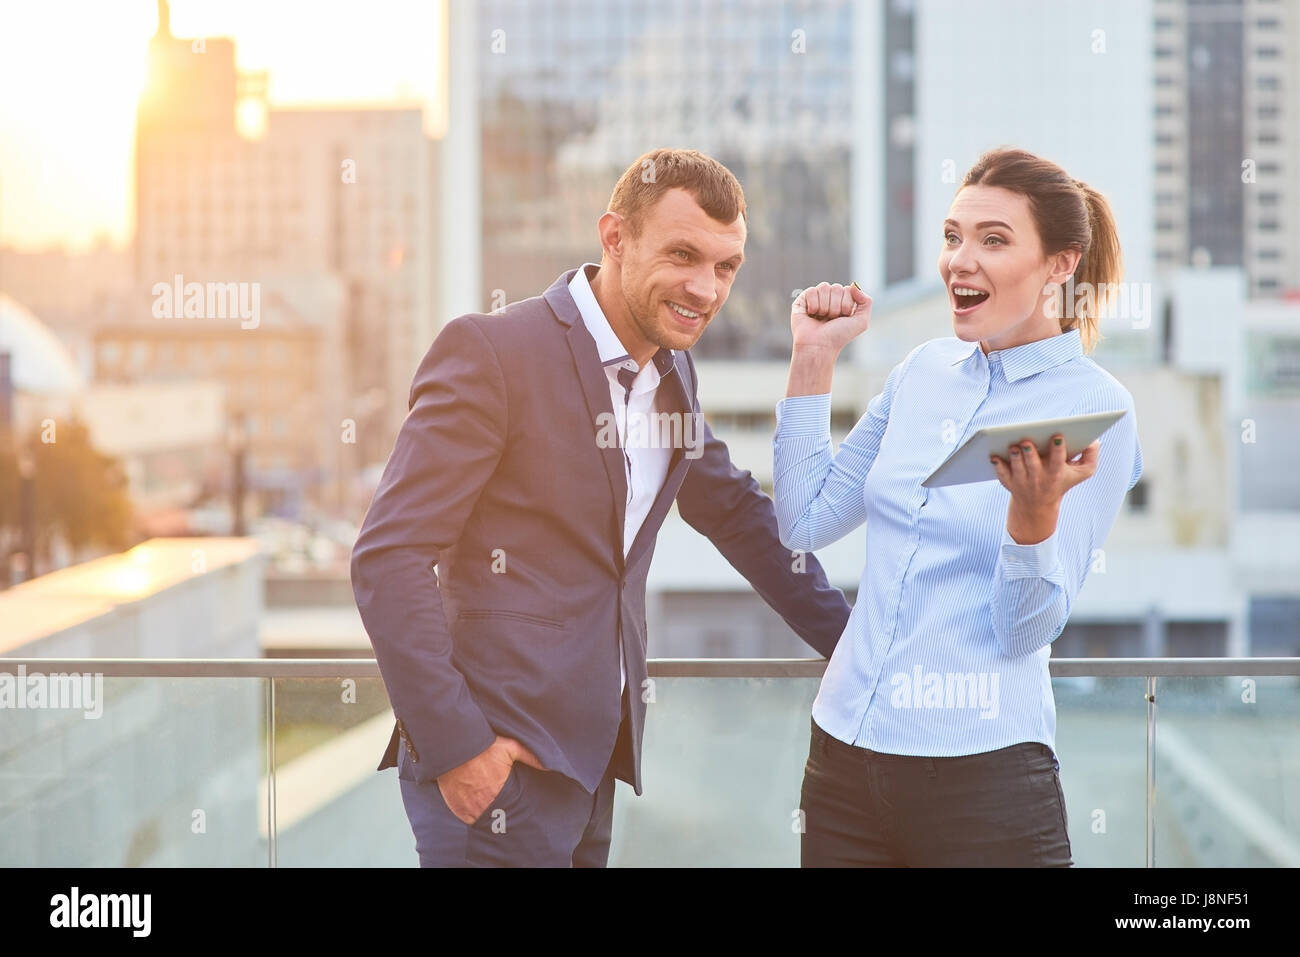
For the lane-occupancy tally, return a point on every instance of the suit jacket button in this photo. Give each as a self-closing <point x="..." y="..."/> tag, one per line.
<point x="406" y="740"/>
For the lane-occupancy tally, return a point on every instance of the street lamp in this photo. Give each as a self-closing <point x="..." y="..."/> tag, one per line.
<point x="237" y="441"/>
<point x="26" y="514"/>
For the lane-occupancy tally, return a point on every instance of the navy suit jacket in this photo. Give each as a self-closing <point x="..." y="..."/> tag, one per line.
<point x="498" y="481"/>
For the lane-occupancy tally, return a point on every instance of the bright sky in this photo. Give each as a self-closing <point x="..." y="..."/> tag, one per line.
<point x="70" y="72"/>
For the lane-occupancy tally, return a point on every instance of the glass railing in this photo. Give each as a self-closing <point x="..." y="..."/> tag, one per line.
<point x="116" y="771"/>
<point x="222" y="762"/>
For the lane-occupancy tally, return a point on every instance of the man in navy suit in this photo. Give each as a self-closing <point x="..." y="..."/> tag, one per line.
<point x="533" y="471"/>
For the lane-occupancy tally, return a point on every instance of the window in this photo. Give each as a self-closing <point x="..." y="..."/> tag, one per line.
<point x="1274" y="625"/>
<point x="1195" y="639"/>
<point x="1137" y="496"/>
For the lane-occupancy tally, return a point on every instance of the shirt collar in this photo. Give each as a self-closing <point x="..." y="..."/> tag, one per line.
<point x="1031" y="358"/>
<point x="610" y="349"/>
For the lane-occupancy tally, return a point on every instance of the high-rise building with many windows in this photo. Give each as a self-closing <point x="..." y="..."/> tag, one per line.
<point x="1227" y="138"/>
<point x="567" y="95"/>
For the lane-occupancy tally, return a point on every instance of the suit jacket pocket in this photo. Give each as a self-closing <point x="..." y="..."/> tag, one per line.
<point x="508" y="615"/>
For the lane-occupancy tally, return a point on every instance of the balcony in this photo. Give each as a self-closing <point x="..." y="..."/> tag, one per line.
<point x="266" y="762"/>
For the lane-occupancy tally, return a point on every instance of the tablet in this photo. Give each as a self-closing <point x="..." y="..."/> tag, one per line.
<point x="970" y="463"/>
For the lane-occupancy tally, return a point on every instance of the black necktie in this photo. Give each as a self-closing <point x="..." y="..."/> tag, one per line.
<point x="625" y="378"/>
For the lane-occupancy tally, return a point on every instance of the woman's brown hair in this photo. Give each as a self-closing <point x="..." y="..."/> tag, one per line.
<point x="1069" y="214"/>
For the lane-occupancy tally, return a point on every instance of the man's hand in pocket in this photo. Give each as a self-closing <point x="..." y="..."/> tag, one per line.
<point x="469" y="789"/>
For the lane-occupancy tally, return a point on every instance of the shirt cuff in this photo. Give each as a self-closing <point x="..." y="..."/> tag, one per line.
<point x="1028" y="561"/>
<point x="804" y="415"/>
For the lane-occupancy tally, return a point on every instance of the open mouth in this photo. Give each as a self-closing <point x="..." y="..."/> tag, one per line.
<point x="684" y="315"/>
<point x="966" y="298"/>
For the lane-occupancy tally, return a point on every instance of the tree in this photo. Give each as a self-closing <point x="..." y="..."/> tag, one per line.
<point x="80" y="492"/>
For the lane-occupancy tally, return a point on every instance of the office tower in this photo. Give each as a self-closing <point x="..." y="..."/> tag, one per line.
<point x="1227" y="138"/>
<point x="565" y="96"/>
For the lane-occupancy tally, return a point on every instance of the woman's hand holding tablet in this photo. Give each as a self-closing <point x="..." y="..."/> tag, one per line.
<point x="973" y="461"/>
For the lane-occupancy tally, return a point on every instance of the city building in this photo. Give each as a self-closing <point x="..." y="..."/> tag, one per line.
<point x="280" y="377"/>
<point x="549" y="105"/>
<point x="1227" y="138"/>
<point x="339" y="197"/>
<point x="68" y="290"/>
<point x="169" y="437"/>
<point x="1069" y="81"/>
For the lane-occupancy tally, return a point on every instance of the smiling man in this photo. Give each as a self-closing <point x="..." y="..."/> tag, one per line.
<point x="501" y="568"/>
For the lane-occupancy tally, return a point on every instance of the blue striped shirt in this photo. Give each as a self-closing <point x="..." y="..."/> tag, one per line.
<point x="946" y="650"/>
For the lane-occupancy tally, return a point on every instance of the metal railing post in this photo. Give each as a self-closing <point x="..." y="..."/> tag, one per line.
<point x="270" y="773"/>
<point x="1151" y="771"/>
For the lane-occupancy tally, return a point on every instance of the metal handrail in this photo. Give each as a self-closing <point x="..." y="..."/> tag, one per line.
<point x="659" y="667"/>
<point x="279" y="668"/>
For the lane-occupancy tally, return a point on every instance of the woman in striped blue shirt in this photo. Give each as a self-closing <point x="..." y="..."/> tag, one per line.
<point x="933" y="732"/>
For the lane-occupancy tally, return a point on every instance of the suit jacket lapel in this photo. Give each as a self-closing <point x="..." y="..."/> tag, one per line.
<point x="595" y="390"/>
<point x="672" y="397"/>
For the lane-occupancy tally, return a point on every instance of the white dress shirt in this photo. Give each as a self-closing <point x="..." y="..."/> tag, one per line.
<point x="645" y="464"/>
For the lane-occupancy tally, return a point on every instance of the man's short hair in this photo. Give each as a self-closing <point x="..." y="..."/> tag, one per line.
<point x="712" y="185"/>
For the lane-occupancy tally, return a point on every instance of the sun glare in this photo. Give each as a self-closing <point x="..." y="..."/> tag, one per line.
<point x="71" y="72"/>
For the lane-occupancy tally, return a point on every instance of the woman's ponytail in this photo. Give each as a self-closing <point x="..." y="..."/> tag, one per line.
<point x="1101" y="267"/>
